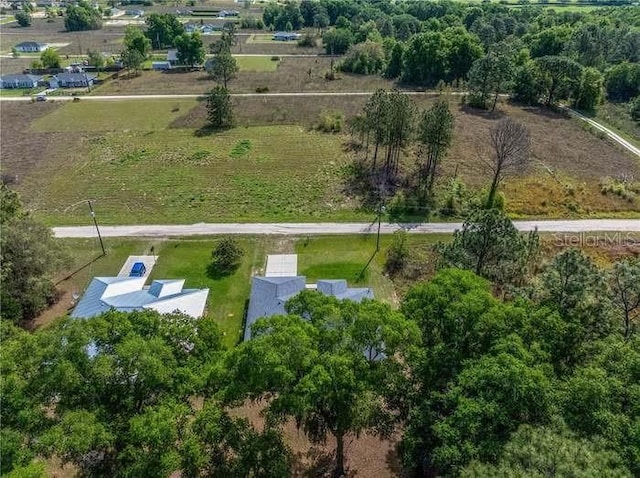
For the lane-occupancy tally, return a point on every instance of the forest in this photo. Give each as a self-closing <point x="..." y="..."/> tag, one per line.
<point x="507" y="361"/>
<point x="531" y="52"/>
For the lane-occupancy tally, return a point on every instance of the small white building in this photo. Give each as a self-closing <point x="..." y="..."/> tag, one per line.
<point x="128" y="294"/>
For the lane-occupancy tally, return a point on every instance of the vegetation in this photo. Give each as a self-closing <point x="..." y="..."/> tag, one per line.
<point x="50" y="58"/>
<point x="81" y="17"/>
<point x="28" y="258"/>
<point x="225" y="257"/>
<point x="163" y="29"/>
<point x="190" y="49"/>
<point x="541" y="379"/>
<point x="23" y="18"/>
<point x="219" y="109"/>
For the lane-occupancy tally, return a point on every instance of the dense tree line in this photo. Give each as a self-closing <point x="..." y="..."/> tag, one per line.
<point x="502" y="364"/>
<point x="530" y="52"/>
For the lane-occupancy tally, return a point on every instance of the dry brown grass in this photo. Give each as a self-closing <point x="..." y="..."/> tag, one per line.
<point x="366" y="455"/>
<point x="292" y="75"/>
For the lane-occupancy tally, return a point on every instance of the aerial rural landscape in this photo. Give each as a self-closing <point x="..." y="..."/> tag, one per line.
<point x="310" y="238"/>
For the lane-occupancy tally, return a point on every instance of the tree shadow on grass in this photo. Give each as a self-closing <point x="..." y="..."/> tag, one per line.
<point x="485" y="114"/>
<point x="217" y="273"/>
<point x="209" y="130"/>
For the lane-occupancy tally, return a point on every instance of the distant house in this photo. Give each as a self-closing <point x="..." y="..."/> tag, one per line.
<point x="135" y="13"/>
<point x="72" y="80"/>
<point x="48" y="3"/>
<point x="286" y="36"/>
<point x="161" y="65"/>
<point x="269" y="294"/>
<point x="228" y="13"/>
<point x="31" y="46"/>
<point x="19" y="81"/>
<point x="128" y="294"/>
<point x="116" y="12"/>
<point x="172" y="57"/>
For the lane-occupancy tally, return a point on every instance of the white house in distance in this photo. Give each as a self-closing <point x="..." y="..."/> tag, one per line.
<point x="31" y="47"/>
<point x="127" y="294"/>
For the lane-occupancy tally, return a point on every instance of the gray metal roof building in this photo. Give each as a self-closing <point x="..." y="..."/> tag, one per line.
<point x="270" y="294"/>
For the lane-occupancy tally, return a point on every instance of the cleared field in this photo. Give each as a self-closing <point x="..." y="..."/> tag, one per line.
<point x="291" y="75"/>
<point x="256" y="63"/>
<point x="245" y="174"/>
<point x="140" y="115"/>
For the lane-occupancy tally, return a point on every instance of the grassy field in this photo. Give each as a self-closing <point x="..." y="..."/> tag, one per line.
<point x="145" y="174"/>
<point x="143" y="115"/>
<point x="138" y="172"/>
<point x="616" y="116"/>
<point x="20" y="91"/>
<point x="256" y="63"/>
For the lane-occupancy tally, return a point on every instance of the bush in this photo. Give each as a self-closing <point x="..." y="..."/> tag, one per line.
<point x="262" y="89"/>
<point x="330" y="75"/>
<point x="625" y="188"/>
<point x="330" y="122"/>
<point x="307" y="41"/>
<point x="252" y="23"/>
<point x="225" y="257"/>
<point x="23" y="19"/>
<point x="364" y="58"/>
<point x="456" y="199"/>
<point x="397" y="254"/>
<point x="275" y="58"/>
<point x="634" y="108"/>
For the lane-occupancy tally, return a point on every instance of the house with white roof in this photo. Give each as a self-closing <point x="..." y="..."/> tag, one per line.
<point x="127" y="294"/>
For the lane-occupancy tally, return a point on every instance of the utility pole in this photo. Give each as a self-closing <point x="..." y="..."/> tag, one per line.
<point x="93" y="215"/>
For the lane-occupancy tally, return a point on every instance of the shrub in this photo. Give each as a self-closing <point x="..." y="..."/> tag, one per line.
<point x="330" y="122"/>
<point x="307" y="41"/>
<point x="625" y="188"/>
<point x="634" y="108"/>
<point x="23" y="19"/>
<point x="262" y="89"/>
<point x="275" y="58"/>
<point x="364" y="58"/>
<point x="330" y="75"/>
<point x="397" y="254"/>
<point x="225" y="257"/>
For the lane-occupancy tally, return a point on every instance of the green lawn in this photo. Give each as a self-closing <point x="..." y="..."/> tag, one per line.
<point x="20" y="91"/>
<point x="280" y="173"/>
<point x="139" y="115"/>
<point x="345" y="257"/>
<point x="256" y="63"/>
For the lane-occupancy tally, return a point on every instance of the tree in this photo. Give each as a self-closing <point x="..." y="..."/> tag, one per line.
<point x="545" y="451"/>
<point x="625" y="288"/>
<point x="225" y="257"/>
<point x="435" y="135"/>
<point x="163" y="29"/>
<point x="510" y="144"/>
<point x="50" y="58"/>
<point x="364" y="58"/>
<point x="223" y="67"/>
<point x="219" y="109"/>
<point x="134" y="39"/>
<point x="464" y="50"/>
<point x="491" y="75"/>
<point x="23" y="18"/>
<point x="337" y="41"/>
<point x="190" y="49"/>
<point x="29" y="256"/>
<point x="588" y="94"/>
<point x="634" y="108"/>
<point x="81" y="17"/>
<point x="490" y="245"/>
<point x="561" y="75"/>
<point x="96" y="59"/>
<point x="426" y="58"/>
<point x="132" y="59"/>
<point x="394" y="65"/>
<point x="622" y="81"/>
<point x="326" y="371"/>
<point x="528" y="85"/>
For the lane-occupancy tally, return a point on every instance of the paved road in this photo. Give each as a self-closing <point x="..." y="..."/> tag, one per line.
<point x="203" y="229"/>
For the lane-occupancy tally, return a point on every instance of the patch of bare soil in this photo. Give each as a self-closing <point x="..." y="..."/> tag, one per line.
<point x="367" y="456"/>
<point x="21" y="149"/>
